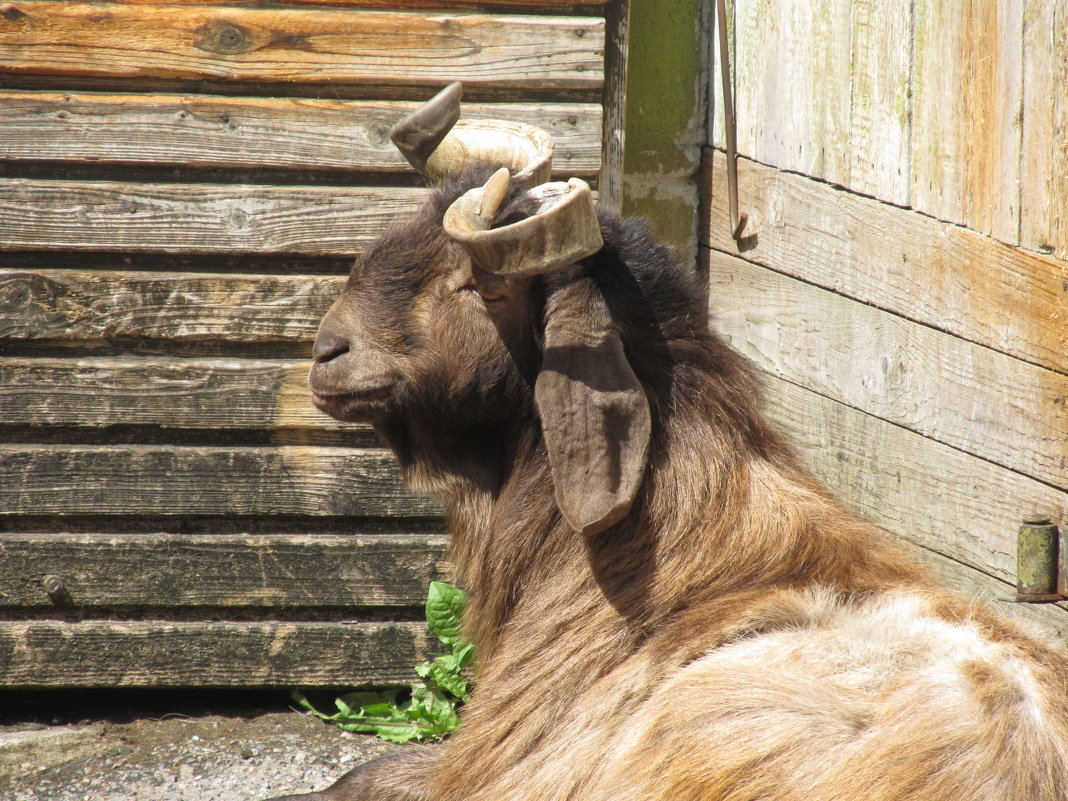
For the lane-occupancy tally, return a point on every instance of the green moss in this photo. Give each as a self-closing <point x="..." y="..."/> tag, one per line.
<point x="665" y="113"/>
<point x="674" y="219"/>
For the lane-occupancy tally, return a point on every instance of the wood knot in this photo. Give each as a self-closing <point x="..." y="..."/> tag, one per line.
<point x="11" y="13"/>
<point x="224" y="38"/>
<point x="15" y="293"/>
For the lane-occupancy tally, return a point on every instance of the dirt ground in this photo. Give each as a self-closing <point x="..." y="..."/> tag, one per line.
<point x="99" y="746"/>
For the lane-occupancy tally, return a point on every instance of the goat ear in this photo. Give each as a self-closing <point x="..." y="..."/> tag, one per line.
<point x="594" y="414"/>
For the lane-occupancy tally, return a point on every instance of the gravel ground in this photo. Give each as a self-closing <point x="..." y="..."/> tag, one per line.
<point x="191" y="753"/>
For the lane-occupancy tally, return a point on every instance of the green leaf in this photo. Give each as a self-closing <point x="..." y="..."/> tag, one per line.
<point x="429" y="710"/>
<point x="444" y="611"/>
<point x="363" y="701"/>
<point x="448" y="678"/>
<point x="464" y="654"/>
<point x="399" y="732"/>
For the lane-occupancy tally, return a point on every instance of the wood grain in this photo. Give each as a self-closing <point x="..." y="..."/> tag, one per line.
<point x="880" y="97"/>
<point x="956" y="109"/>
<point x="300" y="45"/>
<point x="966" y="113"/>
<point x="211" y="654"/>
<point x="1044" y="163"/>
<point x="71" y="305"/>
<point x="823" y="88"/>
<point x="160" y="480"/>
<point x="216" y="394"/>
<point x="792" y="90"/>
<point x="617" y="33"/>
<point x="205" y="131"/>
<point x="942" y="499"/>
<point x="475" y="5"/>
<point x="912" y="375"/>
<point x="189" y="570"/>
<point x="944" y="276"/>
<point x="197" y="218"/>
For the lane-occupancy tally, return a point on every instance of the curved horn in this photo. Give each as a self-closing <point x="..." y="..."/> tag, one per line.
<point x="437" y="145"/>
<point x="562" y="231"/>
<point x="418" y="135"/>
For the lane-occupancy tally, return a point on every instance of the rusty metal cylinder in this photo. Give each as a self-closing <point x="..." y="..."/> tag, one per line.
<point x="1062" y="573"/>
<point x="1036" y="557"/>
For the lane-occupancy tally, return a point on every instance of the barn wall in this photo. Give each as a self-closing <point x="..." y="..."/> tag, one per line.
<point x="183" y="186"/>
<point x="903" y="283"/>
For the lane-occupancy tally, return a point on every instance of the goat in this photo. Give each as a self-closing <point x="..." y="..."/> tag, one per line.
<point x="666" y="604"/>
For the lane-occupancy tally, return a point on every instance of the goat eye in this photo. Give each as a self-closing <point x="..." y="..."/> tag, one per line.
<point x="490" y="294"/>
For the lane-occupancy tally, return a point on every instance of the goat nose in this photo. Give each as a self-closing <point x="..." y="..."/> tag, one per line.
<point x="328" y="346"/>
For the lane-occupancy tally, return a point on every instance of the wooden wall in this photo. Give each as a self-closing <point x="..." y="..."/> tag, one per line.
<point x="183" y="186"/>
<point x="904" y="283"/>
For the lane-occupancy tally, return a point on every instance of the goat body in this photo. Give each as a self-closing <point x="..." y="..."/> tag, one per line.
<point x="737" y="635"/>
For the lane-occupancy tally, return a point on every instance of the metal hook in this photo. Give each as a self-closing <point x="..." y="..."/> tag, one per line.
<point x="738" y="221"/>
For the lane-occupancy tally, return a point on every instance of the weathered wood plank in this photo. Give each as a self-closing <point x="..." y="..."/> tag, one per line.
<point x="947" y="501"/>
<point x="1044" y="165"/>
<point x="948" y="277"/>
<point x="823" y="88"/>
<point x="301" y="45"/>
<point x="161" y="570"/>
<point x="176" y="393"/>
<point x="390" y="5"/>
<point x="791" y="87"/>
<point x="168" y="481"/>
<point x="880" y="116"/>
<point x="44" y="653"/>
<point x="912" y="375"/>
<point x="617" y="32"/>
<point x="966" y="113"/>
<point x="206" y="131"/>
<point x="197" y="218"/>
<point x="61" y="304"/>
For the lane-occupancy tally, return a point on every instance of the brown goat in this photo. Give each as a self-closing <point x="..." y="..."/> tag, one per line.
<point x="666" y="605"/>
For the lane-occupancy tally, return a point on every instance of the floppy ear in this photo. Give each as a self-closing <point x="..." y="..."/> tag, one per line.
<point x="594" y="413"/>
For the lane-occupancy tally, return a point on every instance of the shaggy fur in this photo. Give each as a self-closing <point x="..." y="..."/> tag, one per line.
<point x="740" y="635"/>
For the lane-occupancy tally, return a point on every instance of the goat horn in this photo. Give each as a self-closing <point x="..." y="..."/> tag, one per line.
<point x="418" y="135"/>
<point x="433" y="142"/>
<point x="562" y="231"/>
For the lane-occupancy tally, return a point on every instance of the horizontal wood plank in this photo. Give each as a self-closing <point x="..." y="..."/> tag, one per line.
<point x="197" y="218"/>
<point x="942" y="499"/>
<point x="168" y="481"/>
<point x="234" y="570"/>
<point x="300" y="45"/>
<point x="43" y="653"/>
<point x="909" y="374"/>
<point x="176" y="393"/>
<point x="71" y="305"/>
<point x="948" y="277"/>
<point x="288" y="133"/>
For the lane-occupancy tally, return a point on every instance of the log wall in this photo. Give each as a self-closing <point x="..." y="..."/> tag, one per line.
<point x="903" y="282"/>
<point x="183" y="186"/>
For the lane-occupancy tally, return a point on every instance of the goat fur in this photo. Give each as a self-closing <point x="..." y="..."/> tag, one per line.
<point x="739" y="636"/>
